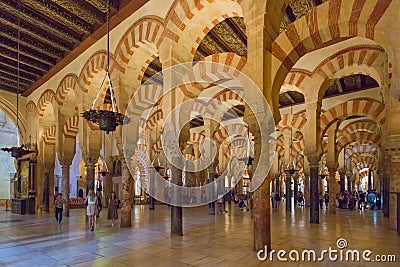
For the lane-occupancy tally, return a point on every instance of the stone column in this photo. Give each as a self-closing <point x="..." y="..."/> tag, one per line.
<point x="288" y="185"/>
<point x="342" y="182"/>
<point x="126" y="195"/>
<point x="314" y="199"/>
<point x="176" y="210"/>
<point x="152" y="172"/>
<point x="90" y="173"/>
<point x="369" y="179"/>
<point x="333" y="188"/>
<point x="46" y="191"/>
<point x="262" y="216"/>
<point x="211" y="177"/>
<point x="385" y="195"/>
<point x="295" y="183"/>
<point x="65" y="167"/>
<point x="307" y="189"/>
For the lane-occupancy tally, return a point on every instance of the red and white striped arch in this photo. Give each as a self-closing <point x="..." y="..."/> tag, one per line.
<point x="50" y="136"/>
<point x="214" y="69"/>
<point x="359" y="59"/>
<point x="360" y="136"/>
<point x="194" y="19"/>
<point x="363" y="125"/>
<point x="69" y="82"/>
<point x="145" y="98"/>
<point x="292" y="121"/>
<point x="372" y="109"/>
<point x="326" y="23"/>
<point x="47" y="97"/>
<point x="151" y="122"/>
<point x="157" y="146"/>
<point x="196" y="138"/>
<point x="71" y="127"/>
<point x="361" y="148"/>
<point x="230" y="131"/>
<point x="96" y="63"/>
<point x="146" y="30"/>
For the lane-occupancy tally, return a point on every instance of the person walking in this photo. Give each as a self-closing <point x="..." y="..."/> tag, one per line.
<point x="112" y="208"/>
<point x="59" y="204"/>
<point x="91" y="201"/>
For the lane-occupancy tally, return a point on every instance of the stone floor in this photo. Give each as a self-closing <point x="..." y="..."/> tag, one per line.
<point x="220" y="240"/>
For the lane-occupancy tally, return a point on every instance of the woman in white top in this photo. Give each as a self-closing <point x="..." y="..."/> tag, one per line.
<point x="91" y="201"/>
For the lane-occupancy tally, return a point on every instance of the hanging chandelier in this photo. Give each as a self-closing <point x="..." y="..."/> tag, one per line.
<point x="107" y="120"/>
<point x="19" y="150"/>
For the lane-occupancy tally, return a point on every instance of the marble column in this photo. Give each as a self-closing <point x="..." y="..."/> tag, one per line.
<point x="295" y="188"/>
<point x="342" y="182"/>
<point x="65" y="186"/>
<point x="288" y="185"/>
<point x="152" y="172"/>
<point x="126" y="195"/>
<point x="385" y="196"/>
<point x="46" y="191"/>
<point x="369" y="179"/>
<point x="262" y="216"/>
<point x="211" y="177"/>
<point x="90" y="173"/>
<point x="307" y="189"/>
<point x="314" y="199"/>
<point x="333" y="188"/>
<point x="176" y="210"/>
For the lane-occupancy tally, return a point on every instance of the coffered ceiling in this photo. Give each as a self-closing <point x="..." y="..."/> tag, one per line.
<point x="49" y="34"/>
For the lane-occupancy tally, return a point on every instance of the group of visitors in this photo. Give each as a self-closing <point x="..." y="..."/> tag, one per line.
<point x="353" y="200"/>
<point x="94" y="207"/>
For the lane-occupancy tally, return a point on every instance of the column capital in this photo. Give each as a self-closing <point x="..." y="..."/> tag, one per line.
<point x="313" y="160"/>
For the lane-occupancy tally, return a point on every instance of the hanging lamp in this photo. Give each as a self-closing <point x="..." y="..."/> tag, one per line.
<point x="107" y="120"/>
<point x="19" y="150"/>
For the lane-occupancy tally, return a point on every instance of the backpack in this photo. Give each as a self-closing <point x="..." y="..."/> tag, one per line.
<point x="277" y="198"/>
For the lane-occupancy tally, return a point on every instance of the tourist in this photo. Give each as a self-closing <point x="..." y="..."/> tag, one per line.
<point x="361" y="198"/>
<point x="59" y="204"/>
<point x="91" y="201"/>
<point x="326" y="198"/>
<point x="112" y="208"/>
<point x="371" y="199"/>
<point x="221" y="203"/>
<point x="320" y="199"/>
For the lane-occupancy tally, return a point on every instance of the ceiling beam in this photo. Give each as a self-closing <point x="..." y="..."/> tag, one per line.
<point x="32" y="33"/>
<point x="291" y="99"/>
<point x="29" y="43"/>
<point x="5" y="64"/>
<point x="52" y="11"/>
<point x="27" y="54"/>
<point x="82" y="10"/>
<point x="13" y="79"/>
<point x="124" y="12"/>
<point x="339" y="86"/>
<point x="23" y="60"/>
<point x="6" y="71"/>
<point x="34" y="21"/>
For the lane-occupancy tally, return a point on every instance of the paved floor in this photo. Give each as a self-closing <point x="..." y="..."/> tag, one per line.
<point x="220" y="240"/>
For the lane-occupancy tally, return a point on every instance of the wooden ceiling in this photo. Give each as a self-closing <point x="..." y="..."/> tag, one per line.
<point x="50" y="34"/>
<point x="346" y="85"/>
